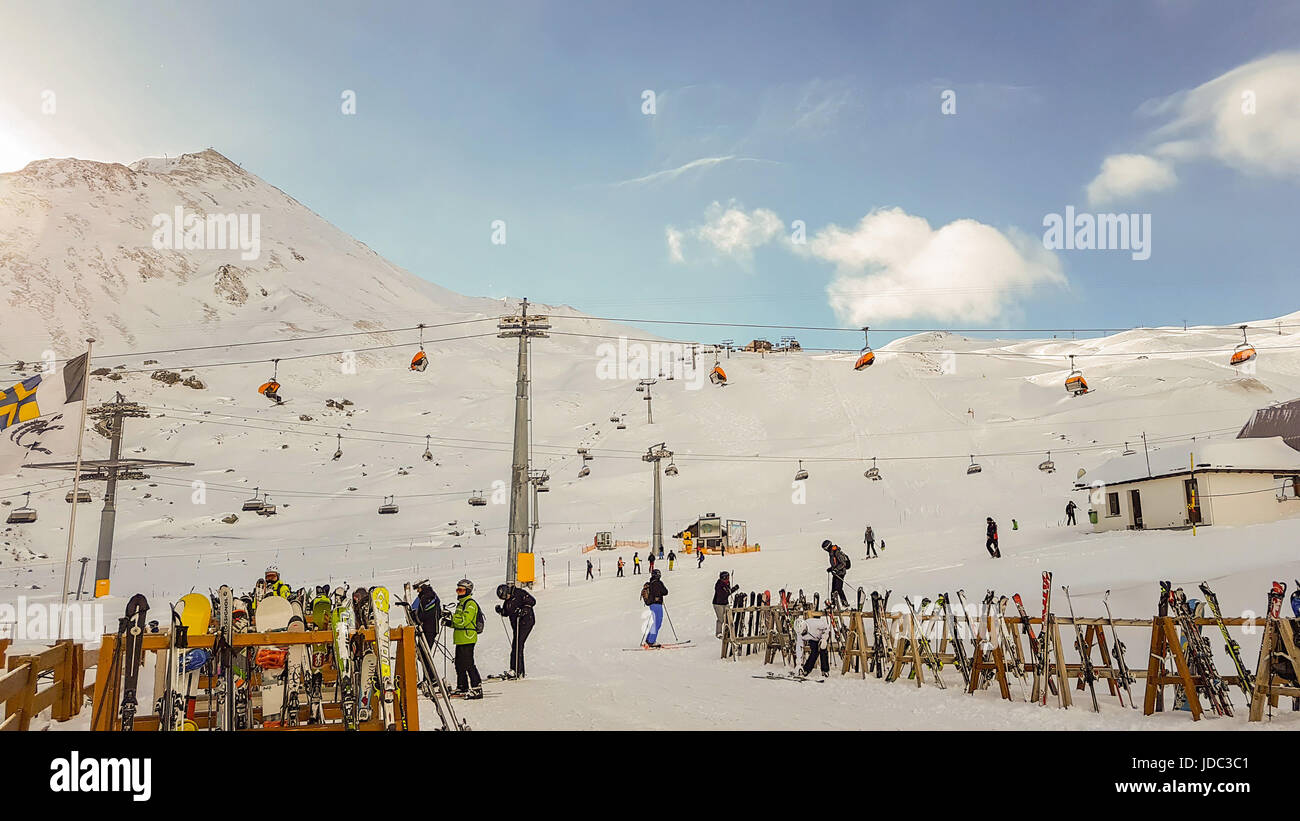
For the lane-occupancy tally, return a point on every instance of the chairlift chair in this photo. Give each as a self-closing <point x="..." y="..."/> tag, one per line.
<point x="389" y="506"/>
<point x="420" y="361"/>
<point x="671" y="469"/>
<point x="1243" y="353"/>
<point x="801" y="474"/>
<point x="254" y="504"/>
<point x="83" y="497"/>
<point x="717" y="376"/>
<point x="338" y="454"/>
<point x="613" y="418"/>
<point x="428" y="454"/>
<point x="974" y="467"/>
<point x="586" y="471"/>
<point x="1075" y="384"/>
<point x="1047" y="466"/>
<point x="271" y="388"/>
<point x="873" y="472"/>
<point x="267" y="508"/>
<point x="640" y="388"/>
<point x="24" y="515"/>
<point x="1128" y="451"/>
<point x="476" y="499"/>
<point x="867" y="357"/>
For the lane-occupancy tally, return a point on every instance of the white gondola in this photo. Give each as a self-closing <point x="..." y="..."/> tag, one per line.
<point x="254" y="504"/>
<point x="476" y="499"/>
<point x="800" y="474"/>
<point x="873" y="472"/>
<point x="1243" y="353"/>
<point x="83" y="497"/>
<point x="389" y="506"/>
<point x="868" y="357"/>
<point x="1075" y="384"/>
<point x="974" y="467"/>
<point x="338" y="454"/>
<point x="586" y="471"/>
<point x="24" y="515"/>
<point x="1047" y="466"/>
<point x="428" y="453"/>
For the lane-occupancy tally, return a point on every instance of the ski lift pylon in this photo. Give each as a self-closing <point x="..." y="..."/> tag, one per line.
<point x="1243" y="353"/>
<point x="421" y="360"/>
<point x="974" y="467"/>
<point x="800" y="474"/>
<point x="873" y="472"/>
<point x="389" y="506"/>
<point x="1075" y="384"/>
<point x="868" y="356"/>
<point x="24" y="515"/>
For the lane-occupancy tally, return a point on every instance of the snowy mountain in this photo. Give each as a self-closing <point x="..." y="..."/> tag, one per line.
<point x="79" y="257"/>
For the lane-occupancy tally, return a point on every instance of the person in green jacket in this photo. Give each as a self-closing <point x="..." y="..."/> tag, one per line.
<point x="464" y="623"/>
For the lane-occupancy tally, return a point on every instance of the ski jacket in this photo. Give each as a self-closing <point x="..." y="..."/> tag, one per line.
<point x="722" y="593"/>
<point x="992" y="530"/>
<point x="815" y="629"/>
<point x="657" y="591"/>
<point x="463" y="619"/>
<point x="428" y="612"/>
<point x="1070" y="506"/>
<point x="671" y="556"/>
<point x="518" y="605"/>
<point x="869" y="536"/>
<point x="839" y="562"/>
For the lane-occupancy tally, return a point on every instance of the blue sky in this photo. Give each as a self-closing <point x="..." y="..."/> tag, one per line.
<point x="768" y="113"/>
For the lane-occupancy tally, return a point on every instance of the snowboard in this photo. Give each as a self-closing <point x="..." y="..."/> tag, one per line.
<point x="272" y="616"/>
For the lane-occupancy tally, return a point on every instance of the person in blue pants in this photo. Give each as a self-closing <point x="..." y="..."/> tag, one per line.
<point x="653" y="595"/>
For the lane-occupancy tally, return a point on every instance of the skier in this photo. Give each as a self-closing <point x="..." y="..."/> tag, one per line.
<point x="814" y="634"/>
<point x="517" y="605"/>
<point x="1069" y="512"/>
<point x="619" y="575"/>
<point x="840" y="565"/>
<point x="275" y="587"/>
<point x="465" y="623"/>
<point x="589" y="576"/>
<point x="427" y="609"/>
<point x="870" y="539"/>
<point x="636" y="563"/>
<point x="699" y="559"/>
<point x="672" y="557"/>
<point x="652" y="562"/>
<point x="722" y="590"/>
<point x="661" y="551"/>
<point x="652" y="594"/>
<point x="991" y="542"/>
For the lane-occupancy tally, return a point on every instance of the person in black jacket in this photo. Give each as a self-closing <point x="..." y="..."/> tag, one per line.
<point x="722" y="590"/>
<point x="517" y="605"/>
<point x="653" y="594"/>
<point x="1070" y="507"/>
<point x="839" y="566"/>
<point x="991" y="540"/>
<point x="427" y="610"/>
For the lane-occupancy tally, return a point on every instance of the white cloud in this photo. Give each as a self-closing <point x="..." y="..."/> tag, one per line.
<point x="1247" y="119"/>
<point x="673" y="173"/>
<point x="729" y="231"/>
<point x="893" y="265"/>
<point x="1124" y="176"/>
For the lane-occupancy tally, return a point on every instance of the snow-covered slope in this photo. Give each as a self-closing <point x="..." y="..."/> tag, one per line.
<point x="76" y="259"/>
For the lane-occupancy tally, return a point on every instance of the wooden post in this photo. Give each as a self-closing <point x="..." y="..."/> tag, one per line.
<point x="410" y="674"/>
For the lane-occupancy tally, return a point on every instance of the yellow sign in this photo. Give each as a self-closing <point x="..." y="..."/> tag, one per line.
<point x="524" y="573"/>
<point x="686" y="542"/>
<point x="101" y="587"/>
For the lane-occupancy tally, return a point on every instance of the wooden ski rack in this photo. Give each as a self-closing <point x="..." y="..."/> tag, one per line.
<point x="106" y="700"/>
<point x="20" y="691"/>
<point x="1278" y="640"/>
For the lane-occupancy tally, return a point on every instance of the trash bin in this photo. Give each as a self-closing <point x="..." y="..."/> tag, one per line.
<point x="1092" y="516"/>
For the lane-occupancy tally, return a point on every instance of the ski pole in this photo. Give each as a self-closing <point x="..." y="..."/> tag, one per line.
<point x="670" y="622"/>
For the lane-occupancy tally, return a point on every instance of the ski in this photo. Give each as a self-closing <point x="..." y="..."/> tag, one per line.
<point x="959" y="649"/>
<point x="1085" y="653"/>
<point x="1044" y="645"/>
<point x="383" y="646"/>
<point x="1126" y="676"/>
<point x="923" y="644"/>
<point x="226" y="657"/>
<point x="665" y="646"/>
<point x="1199" y="655"/>
<point x="1244" y="678"/>
<point x="789" y="677"/>
<point x="137" y="610"/>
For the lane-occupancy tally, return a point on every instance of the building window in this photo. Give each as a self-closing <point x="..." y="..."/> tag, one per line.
<point x="1112" y="504"/>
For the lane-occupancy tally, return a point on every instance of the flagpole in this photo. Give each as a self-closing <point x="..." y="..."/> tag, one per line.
<point x="76" y="488"/>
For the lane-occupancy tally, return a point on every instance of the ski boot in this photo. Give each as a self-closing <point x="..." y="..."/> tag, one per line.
<point x="474" y="693"/>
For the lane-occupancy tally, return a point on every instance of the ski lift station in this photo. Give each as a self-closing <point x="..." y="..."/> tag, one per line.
<point x="1232" y="482"/>
<point x="709" y="534"/>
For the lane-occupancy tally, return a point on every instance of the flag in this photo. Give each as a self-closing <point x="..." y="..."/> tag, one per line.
<point x="39" y="417"/>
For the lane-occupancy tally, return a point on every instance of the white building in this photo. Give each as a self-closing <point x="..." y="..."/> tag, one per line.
<point x="1233" y="482"/>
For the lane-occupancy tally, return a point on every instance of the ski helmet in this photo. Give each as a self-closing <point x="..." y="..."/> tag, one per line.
<point x="503" y="590"/>
<point x="724" y="575"/>
<point x="275" y="568"/>
<point x="826" y="545"/>
<point x="466" y="584"/>
<point x="654" y="574"/>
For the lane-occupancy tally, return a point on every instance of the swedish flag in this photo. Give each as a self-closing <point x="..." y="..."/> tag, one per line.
<point x="18" y="404"/>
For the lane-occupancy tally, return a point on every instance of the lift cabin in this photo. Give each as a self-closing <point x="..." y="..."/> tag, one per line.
<point x="1075" y="384"/>
<point x="868" y="357"/>
<point x="1243" y="353"/>
<point x="800" y="474"/>
<point x="24" y="515"/>
<point x="388" y="507"/>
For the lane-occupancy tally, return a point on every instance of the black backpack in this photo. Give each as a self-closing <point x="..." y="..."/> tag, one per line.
<point x="645" y="594"/>
<point x="847" y="561"/>
<point x="479" y="621"/>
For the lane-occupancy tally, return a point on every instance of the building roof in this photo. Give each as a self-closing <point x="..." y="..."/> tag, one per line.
<point x="1255" y="455"/>
<point x="1276" y="420"/>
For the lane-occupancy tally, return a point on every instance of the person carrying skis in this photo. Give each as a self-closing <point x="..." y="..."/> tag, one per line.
<point x="619" y="575"/>
<point x="1070" y="507"/>
<point x="652" y="594"/>
<point x="427" y="609"/>
<point x="636" y="563"/>
<point x="672" y="557"/>
<point x="722" y="590"/>
<point x="466" y="621"/>
<point x="869" y="538"/>
<point x="517" y="605"/>
<point x="991" y="540"/>
<point x="814" y="634"/>
<point x="840" y="565"/>
<point x="589" y="576"/>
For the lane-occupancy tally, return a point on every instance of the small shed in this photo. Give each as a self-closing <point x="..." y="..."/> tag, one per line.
<point x="1232" y="482"/>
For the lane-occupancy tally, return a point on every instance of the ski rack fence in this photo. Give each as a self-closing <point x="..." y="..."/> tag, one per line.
<point x="20" y="686"/>
<point x="1003" y="655"/>
<point x="722" y="551"/>
<point x="106" y="699"/>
